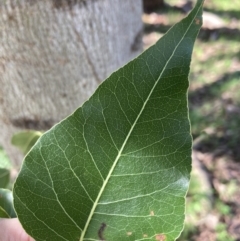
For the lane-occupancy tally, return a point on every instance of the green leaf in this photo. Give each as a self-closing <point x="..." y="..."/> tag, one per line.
<point x="3" y="213"/>
<point x="118" y="168"/>
<point x="5" y="167"/>
<point x="4" y="177"/>
<point x="25" y="140"/>
<point x="6" y="204"/>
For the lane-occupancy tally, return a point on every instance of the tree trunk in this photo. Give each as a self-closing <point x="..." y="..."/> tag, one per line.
<point x="53" y="55"/>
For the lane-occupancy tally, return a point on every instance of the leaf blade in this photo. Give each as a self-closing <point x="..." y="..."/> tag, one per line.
<point x="112" y="128"/>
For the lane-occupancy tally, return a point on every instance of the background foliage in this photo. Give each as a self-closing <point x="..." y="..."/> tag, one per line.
<point x="214" y="102"/>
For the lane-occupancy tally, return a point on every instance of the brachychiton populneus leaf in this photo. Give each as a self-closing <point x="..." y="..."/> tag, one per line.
<point x="118" y="168"/>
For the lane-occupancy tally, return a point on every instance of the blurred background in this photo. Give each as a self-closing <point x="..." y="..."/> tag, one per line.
<point x="213" y="200"/>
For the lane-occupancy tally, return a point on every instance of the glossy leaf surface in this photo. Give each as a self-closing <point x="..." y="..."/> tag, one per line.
<point x="118" y="168"/>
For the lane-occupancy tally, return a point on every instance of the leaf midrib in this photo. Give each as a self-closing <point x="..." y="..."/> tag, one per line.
<point x="130" y="132"/>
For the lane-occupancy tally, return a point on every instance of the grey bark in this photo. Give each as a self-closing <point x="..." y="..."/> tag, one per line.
<point x="53" y="55"/>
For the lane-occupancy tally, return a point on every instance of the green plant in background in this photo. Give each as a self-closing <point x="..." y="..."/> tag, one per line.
<point x="222" y="233"/>
<point x="5" y="168"/>
<point x="6" y="198"/>
<point x="6" y="204"/>
<point x="118" y="168"/>
<point x="25" y="140"/>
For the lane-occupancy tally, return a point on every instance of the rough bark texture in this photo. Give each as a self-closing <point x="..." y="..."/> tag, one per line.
<point x="53" y="55"/>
